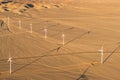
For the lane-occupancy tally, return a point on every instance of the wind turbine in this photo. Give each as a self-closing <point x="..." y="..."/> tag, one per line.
<point x="45" y="32"/>
<point x="31" y="28"/>
<point x="10" y="61"/>
<point x="102" y="54"/>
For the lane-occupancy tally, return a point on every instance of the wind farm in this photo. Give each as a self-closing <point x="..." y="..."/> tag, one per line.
<point x="59" y="40"/>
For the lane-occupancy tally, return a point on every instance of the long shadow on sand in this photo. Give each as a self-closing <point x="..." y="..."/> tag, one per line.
<point x="78" y="37"/>
<point x="117" y="48"/>
<point x="46" y="53"/>
<point x="33" y="61"/>
<point x="83" y="76"/>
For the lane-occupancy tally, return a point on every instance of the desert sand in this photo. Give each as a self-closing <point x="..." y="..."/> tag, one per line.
<point x="87" y="25"/>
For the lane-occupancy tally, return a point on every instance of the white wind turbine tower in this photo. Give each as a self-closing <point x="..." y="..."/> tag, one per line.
<point x="45" y="32"/>
<point x="10" y="64"/>
<point x="102" y="54"/>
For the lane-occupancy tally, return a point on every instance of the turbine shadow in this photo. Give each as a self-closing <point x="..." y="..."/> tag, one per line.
<point x="83" y="76"/>
<point x="111" y="54"/>
<point x="88" y="32"/>
<point x="33" y="61"/>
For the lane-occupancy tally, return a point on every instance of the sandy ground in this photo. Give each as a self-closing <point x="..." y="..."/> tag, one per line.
<point x="87" y="26"/>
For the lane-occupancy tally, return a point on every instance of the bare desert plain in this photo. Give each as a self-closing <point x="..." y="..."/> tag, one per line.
<point x="60" y="40"/>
